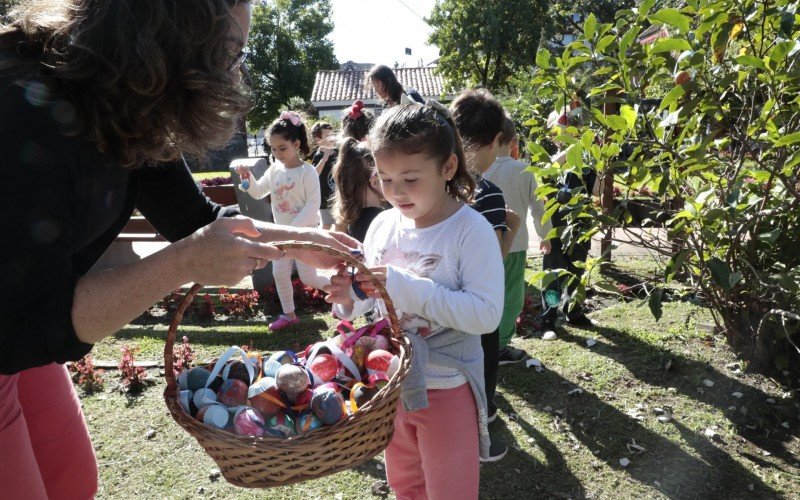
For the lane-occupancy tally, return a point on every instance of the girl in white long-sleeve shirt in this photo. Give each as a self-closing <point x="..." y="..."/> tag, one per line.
<point x="294" y="187"/>
<point x="441" y="264"/>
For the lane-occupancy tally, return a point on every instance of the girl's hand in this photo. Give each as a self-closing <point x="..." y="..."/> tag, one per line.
<point x="339" y="289"/>
<point x="224" y="252"/>
<point x="545" y="247"/>
<point x="365" y="282"/>
<point x="244" y="173"/>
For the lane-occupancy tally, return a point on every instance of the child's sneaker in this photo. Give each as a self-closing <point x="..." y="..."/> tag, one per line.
<point x="282" y="322"/>
<point x="497" y="450"/>
<point x="508" y="355"/>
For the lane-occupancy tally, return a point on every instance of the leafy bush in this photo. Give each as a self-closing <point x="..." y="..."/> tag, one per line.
<point x="721" y="151"/>
<point x="85" y="375"/>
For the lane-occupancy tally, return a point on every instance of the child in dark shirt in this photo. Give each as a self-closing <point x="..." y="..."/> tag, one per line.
<point x="323" y="160"/>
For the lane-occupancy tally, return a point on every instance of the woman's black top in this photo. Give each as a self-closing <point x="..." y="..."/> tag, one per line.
<point x="63" y="204"/>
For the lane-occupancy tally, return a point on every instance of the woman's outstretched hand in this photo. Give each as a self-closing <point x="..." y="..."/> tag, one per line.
<point x="225" y="251"/>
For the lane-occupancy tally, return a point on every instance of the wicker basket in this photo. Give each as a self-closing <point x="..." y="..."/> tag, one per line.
<point x="266" y="462"/>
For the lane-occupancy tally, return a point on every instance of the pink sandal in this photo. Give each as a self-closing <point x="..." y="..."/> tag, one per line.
<point x="282" y="322"/>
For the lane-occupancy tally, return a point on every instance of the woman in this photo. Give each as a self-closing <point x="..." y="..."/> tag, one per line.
<point x="385" y="83"/>
<point x="99" y="101"/>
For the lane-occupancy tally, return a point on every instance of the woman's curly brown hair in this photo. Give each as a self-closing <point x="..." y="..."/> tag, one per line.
<point x="149" y="79"/>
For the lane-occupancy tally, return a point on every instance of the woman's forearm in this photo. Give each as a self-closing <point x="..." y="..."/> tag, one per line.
<point x="106" y="301"/>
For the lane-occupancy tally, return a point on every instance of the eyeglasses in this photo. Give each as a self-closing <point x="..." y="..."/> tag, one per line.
<point x="240" y="58"/>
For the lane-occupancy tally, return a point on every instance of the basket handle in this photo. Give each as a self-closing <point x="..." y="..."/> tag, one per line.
<point x="397" y="333"/>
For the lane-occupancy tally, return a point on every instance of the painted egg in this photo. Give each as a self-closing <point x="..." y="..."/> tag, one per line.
<point x="358" y="355"/>
<point x="185" y="399"/>
<point x="197" y="378"/>
<point x="292" y="380"/>
<point x="214" y="415"/>
<point x="183" y="380"/>
<point x="324" y="366"/>
<point x="233" y="392"/>
<point x="245" y="184"/>
<point x="236" y="370"/>
<point x="265" y="396"/>
<point x="248" y="422"/>
<point x="323" y="349"/>
<point x="204" y="397"/>
<point x="270" y="368"/>
<point x="307" y="422"/>
<point x="281" y="425"/>
<point x="373" y="343"/>
<point x="378" y="361"/>
<point x="360" y="394"/>
<point x="378" y="380"/>
<point x="303" y="401"/>
<point x="284" y="357"/>
<point x="328" y="405"/>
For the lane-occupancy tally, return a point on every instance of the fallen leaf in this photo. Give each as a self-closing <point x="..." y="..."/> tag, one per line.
<point x="549" y="335"/>
<point x="668" y="365"/>
<point x="785" y="424"/>
<point x="150" y="434"/>
<point x="770" y="401"/>
<point x="548" y="409"/>
<point x="590" y="342"/>
<point x="338" y="496"/>
<point x="737" y="395"/>
<point x="710" y="433"/>
<point x="576" y="390"/>
<point x="380" y="488"/>
<point x="665" y="418"/>
<point x="379" y="467"/>
<point x="708" y="383"/>
<point x="624" y="462"/>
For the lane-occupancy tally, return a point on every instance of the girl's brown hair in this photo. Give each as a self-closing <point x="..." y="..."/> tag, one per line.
<point x="352" y="172"/>
<point x="478" y="116"/>
<point x="393" y="88"/>
<point x="357" y="121"/>
<point x="150" y="80"/>
<point x="413" y="128"/>
<point x="291" y="127"/>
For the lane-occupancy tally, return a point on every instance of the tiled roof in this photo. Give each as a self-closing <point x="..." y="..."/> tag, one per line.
<point x="343" y="85"/>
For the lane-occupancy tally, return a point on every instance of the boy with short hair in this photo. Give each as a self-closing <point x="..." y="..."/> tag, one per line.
<point x="323" y="160"/>
<point x="519" y="190"/>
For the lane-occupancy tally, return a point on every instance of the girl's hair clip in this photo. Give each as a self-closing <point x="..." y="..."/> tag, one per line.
<point x="440" y="108"/>
<point x="354" y="112"/>
<point x="294" y="118"/>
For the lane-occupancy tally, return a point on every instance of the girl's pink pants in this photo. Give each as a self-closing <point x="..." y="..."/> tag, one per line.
<point x="45" y="450"/>
<point x="434" y="452"/>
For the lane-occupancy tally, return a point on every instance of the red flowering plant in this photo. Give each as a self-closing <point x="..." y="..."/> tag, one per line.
<point x="529" y="320"/>
<point x="133" y="377"/>
<point x="216" y="181"/>
<point x="183" y="356"/>
<point x="239" y="305"/>
<point x="306" y="298"/>
<point x="85" y="375"/>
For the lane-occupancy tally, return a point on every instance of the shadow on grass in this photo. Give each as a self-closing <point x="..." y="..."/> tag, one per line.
<point x="521" y="475"/>
<point x="605" y="431"/>
<point x="646" y="362"/>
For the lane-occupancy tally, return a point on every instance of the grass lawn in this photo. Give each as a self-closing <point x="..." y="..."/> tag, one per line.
<point x="733" y="435"/>
<point x="198" y="176"/>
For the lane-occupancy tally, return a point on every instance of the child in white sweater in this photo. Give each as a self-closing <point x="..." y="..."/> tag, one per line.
<point x="519" y="190"/>
<point x="294" y="186"/>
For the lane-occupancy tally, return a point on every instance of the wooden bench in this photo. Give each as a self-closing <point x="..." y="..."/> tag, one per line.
<point x="138" y="229"/>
